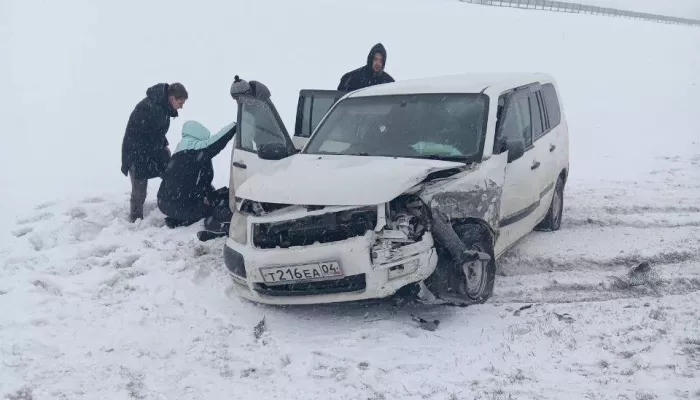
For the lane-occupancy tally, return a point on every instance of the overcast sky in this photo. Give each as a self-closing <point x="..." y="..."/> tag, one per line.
<point x="676" y="8"/>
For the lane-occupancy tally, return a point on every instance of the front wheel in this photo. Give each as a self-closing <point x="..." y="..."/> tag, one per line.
<point x="479" y="275"/>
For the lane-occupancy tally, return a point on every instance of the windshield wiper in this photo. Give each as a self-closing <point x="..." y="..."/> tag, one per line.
<point x="333" y="153"/>
<point x="464" y="159"/>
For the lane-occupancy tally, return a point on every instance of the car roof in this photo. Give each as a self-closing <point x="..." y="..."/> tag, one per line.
<point x="459" y="83"/>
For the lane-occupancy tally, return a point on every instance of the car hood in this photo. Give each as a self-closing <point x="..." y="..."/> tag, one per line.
<point x="312" y="179"/>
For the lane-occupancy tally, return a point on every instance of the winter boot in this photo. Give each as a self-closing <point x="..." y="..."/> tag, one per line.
<point x="139" y="189"/>
<point x="177" y="223"/>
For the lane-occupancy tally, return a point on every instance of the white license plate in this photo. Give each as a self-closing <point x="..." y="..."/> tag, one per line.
<point x="302" y="273"/>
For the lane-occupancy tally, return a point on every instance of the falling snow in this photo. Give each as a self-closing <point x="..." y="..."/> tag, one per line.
<point x="96" y="307"/>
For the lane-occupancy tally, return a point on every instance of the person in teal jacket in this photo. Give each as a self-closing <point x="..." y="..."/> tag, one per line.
<point x="186" y="194"/>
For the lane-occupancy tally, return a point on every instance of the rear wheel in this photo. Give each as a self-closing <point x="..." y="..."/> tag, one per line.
<point x="552" y="221"/>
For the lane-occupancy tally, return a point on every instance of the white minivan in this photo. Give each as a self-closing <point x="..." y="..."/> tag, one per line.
<point x="415" y="186"/>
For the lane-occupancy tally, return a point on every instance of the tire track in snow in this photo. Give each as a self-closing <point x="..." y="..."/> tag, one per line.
<point x="606" y="231"/>
<point x="583" y="285"/>
<point x="631" y="220"/>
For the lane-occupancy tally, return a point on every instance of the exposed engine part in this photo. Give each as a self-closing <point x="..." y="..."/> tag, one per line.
<point x="259" y="209"/>
<point x="407" y="222"/>
<point x="409" y="215"/>
<point x="323" y="228"/>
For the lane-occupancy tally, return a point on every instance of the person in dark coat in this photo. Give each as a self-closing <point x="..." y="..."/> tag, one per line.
<point x="370" y="74"/>
<point x="186" y="194"/>
<point x="145" y="152"/>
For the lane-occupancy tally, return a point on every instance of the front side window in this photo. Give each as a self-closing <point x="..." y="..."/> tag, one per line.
<point x="517" y="122"/>
<point x="440" y="126"/>
<point x="258" y="126"/>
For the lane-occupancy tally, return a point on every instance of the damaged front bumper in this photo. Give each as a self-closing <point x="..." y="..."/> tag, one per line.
<point x="356" y="266"/>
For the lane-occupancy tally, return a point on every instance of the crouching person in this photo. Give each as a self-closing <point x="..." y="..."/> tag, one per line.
<point x="186" y="194"/>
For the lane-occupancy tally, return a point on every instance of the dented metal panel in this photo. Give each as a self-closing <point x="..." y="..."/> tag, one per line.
<point x="472" y="194"/>
<point x="483" y="201"/>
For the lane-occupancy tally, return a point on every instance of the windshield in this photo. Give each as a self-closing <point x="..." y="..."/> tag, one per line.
<point x="441" y="126"/>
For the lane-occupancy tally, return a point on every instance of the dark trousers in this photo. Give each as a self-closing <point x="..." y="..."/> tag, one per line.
<point x="139" y="190"/>
<point x="188" y="213"/>
<point x="220" y="218"/>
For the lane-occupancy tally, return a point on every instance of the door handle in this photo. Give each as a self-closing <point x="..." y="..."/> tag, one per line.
<point x="239" y="165"/>
<point x="535" y="165"/>
<point x="552" y="147"/>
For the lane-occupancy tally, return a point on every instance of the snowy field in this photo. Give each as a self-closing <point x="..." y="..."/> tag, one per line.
<point x="96" y="308"/>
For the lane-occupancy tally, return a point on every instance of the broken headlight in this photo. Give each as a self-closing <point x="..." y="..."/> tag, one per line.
<point x="259" y="209"/>
<point x="407" y="216"/>
<point x="406" y="224"/>
<point x="239" y="228"/>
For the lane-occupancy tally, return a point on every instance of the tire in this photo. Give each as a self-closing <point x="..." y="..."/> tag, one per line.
<point x="483" y="278"/>
<point x="552" y="221"/>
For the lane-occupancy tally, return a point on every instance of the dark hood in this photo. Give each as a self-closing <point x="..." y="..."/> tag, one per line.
<point x="377" y="48"/>
<point x="158" y="94"/>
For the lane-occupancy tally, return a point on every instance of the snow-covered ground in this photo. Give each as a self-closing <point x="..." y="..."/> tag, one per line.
<point x="96" y="308"/>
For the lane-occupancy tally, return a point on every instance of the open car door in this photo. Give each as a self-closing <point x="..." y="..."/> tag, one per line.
<point x="311" y="108"/>
<point x="261" y="137"/>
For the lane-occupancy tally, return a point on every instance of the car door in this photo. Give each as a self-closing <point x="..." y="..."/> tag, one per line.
<point x="521" y="186"/>
<point x="547" y="132"/>
<point x="542" y="151"/>
<point x="312" y="106"/>
<point x="258" y="123"/>
<point x="555" y="131"/>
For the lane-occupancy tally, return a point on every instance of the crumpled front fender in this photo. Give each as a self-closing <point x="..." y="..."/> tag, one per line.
<point x="474" y="194"/>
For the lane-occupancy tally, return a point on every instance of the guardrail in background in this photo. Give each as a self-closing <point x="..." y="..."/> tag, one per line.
<point x="577" y="8"/>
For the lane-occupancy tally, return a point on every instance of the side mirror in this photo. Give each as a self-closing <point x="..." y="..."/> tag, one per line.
<point x="272" y="151"/>
<point x="516" y="149"/>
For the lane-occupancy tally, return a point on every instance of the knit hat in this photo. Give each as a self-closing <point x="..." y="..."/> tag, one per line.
<point x="239" y="87"/>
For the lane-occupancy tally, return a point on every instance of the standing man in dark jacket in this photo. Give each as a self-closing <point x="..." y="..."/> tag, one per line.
<point x="145" y="152"/>
<point x="370" y="74"/>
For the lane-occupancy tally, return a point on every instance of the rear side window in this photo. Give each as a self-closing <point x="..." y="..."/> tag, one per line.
<point x="313" y="105"/>
<point x="552" y="102"/>
<point x="320" y="106"/>
<point x="537" y="116"/>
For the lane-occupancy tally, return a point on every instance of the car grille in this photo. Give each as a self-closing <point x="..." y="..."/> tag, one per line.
<point x="354" y="283"/>
<point x="324" y="228"/>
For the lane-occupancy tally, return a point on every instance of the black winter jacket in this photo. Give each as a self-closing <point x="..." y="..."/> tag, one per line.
<point x="144" y="144"/>
<point x="365" y="76"/>
<point x="188" y="179"/>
